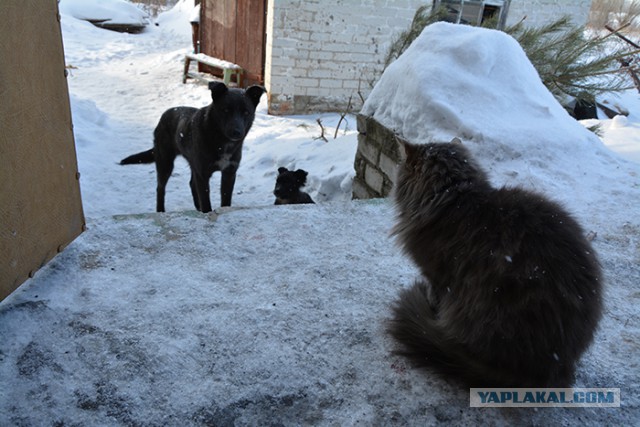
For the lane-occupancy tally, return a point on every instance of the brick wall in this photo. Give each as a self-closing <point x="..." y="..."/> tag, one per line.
<point x="540" y="12"/>
<point x="376" y="160"/>
<point x="321" y="53"/>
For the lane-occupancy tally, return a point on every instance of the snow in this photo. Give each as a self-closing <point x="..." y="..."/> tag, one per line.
<point x="121" y="86"/>
<point x="622" y="133"/>
<point x="267" y="314"/>
<point x="457" y="103"/>
<point x="525" y="138"/>
<point x="110" y="11"/>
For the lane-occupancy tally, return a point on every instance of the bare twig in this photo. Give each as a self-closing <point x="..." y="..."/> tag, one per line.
<point x="624" y="63"/>
<point x="620" y="36"/>
<point x="360" y="92"/>
<point x="322" y="137"/>
<point x="342" y="116"/>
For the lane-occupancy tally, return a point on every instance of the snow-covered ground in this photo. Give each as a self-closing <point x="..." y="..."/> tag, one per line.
<point x="120" y="84"/>
<point x="275" y="314"/>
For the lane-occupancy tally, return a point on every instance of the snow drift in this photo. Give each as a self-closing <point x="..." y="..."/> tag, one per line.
<point x="105" y="11"/>
<point x="478" y="85"/>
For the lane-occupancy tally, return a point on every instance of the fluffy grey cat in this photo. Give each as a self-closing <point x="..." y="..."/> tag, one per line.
<point x="511" y="293"/>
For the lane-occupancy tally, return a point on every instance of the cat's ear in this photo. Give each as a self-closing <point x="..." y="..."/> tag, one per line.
<point x="456" y="141"/>
<point x="406" y="148"/>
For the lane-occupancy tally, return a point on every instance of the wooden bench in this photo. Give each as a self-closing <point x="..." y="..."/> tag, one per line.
<point x="229" y="69"/>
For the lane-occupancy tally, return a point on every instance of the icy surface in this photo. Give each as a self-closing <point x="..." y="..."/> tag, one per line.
<point x="271" y="315"/>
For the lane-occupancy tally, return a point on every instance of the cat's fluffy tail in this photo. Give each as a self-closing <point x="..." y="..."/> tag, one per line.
<point x="415" y="327"/>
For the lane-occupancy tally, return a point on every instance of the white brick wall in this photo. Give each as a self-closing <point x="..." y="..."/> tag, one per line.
<point x="540" y="12"/>
<point x="320" y="53"/>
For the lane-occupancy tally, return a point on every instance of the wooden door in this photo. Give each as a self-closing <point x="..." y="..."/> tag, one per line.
<point x="234" y="30"/>
<point x="40" y="204"/>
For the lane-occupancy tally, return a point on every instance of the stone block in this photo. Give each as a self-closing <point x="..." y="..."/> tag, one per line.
<point x="369" y="151"/>
<point x="359" y="189"/>
<point x="388" y="166"/>
<point x="374" y="179"/>
<point x="362" y="123"/>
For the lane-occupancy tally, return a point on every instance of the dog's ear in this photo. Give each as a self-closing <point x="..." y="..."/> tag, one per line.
<point x="282" y="170"/>
<point x="217" y="89"/>
<point x="301" y="176"/>
<point x="254" y="93"/>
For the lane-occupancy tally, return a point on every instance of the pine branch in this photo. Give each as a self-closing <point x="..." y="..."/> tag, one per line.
<point x="569" y="64"/>
<point x="425" y="15"/>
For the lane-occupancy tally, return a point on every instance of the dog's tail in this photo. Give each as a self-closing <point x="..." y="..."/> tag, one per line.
<point x="144" y="157"/>
<point x="426" y="344"/>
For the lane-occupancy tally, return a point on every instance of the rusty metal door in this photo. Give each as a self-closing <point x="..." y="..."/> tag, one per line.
<point x="234" y="30"/>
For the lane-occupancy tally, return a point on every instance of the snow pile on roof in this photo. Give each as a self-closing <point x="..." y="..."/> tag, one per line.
<point x="179" y="17"/>
<point x="478" y="85"/>
<point x="195" y="15"/>
<point x="109" y="11"/>
<point x="469" y="82"/>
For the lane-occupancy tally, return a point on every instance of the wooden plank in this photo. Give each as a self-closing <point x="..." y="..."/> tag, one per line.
<point x="212" y="32"/>
<point x="228" y="35"/>
<point x="40" y="204"/>
<point x="229" y="70"/>
<point x="234" y="30"/>
<point x="218" y="36"/>
<point x="250" y="39"/>
<point x="213" y="62"/>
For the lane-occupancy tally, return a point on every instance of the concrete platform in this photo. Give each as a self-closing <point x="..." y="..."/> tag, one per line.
<point x="264" y="316"/>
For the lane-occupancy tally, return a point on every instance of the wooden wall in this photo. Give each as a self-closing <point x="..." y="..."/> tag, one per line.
<point x="40" y="204"/>
<point x="234" y="30"/>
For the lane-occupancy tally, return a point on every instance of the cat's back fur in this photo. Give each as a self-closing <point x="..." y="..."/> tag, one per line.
<point x="511" y="294"/>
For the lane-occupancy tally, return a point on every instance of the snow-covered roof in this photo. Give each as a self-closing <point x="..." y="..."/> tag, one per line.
<point x="106" y="11"/>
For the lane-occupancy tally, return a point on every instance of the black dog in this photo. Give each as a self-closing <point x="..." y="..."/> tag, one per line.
<point x="210" y="138"/>
<point x="288" y="185"/>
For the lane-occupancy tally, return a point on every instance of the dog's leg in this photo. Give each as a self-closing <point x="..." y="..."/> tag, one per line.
<point x="164" y="173"/>
<point x="194" y="192"/>
<point x="164" y="153"/>
<point x="227" y="181"/>
<point x="164" y="168"/>
<point x="201" y="184"/>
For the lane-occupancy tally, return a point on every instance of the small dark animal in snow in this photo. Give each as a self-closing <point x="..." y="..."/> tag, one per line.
<point x="209" y="138"/>
<point x="288" y="185"/>
<point x="584" y="110"/>
<point x="511" y="293"/>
